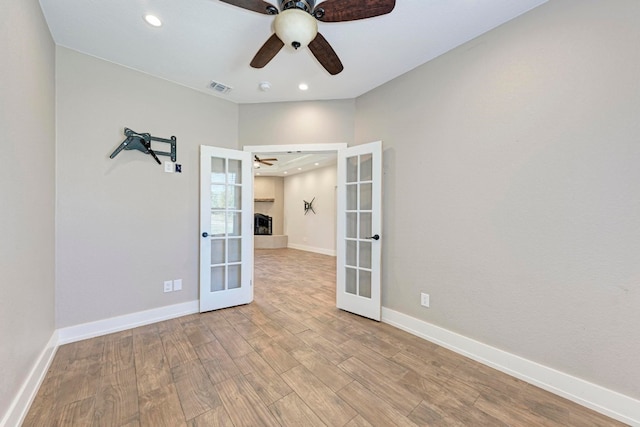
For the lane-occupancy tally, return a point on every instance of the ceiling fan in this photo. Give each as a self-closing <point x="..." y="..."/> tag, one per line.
<point x="267" y="162"/>
<point x="296" y="25"/>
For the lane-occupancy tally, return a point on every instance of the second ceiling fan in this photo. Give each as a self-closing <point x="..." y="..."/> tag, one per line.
<point x="257" y="160"/>
<point x="296" y="25"/>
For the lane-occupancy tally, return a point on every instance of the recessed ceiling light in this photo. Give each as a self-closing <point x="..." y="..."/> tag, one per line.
<point x="299" y="169"/>
<point x="257" y="173"/>
<point x="303" y="86"/>
<point x="285" y="172"/>
<point x="153" y="20"/>
<point x="317" y="164"/>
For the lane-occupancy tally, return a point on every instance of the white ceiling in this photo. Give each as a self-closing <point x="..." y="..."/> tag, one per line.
<point x="294" y="163"/>
<point x="207" y="40"/>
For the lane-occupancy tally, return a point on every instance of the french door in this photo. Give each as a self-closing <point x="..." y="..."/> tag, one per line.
<point x="226" y="228"/>
<point x="359" y="229"/>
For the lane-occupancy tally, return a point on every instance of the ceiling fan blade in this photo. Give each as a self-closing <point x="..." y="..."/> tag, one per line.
<point x="267" y="52"/>
<point x="325" y="55"/>
<point x="254" y="5"/>
<point x="264" y="161"/>
<point x="351" y="10"/>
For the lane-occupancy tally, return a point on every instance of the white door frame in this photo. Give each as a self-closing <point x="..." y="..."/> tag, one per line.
<point x="295" y="148"/>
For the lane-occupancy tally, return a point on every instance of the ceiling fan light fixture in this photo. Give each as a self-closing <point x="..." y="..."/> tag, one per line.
<point x="296" y="28"/>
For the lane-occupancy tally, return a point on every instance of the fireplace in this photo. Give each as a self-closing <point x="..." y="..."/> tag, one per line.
<point x="262" y="225"/>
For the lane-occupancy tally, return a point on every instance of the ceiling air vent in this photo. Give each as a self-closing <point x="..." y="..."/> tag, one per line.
<point x="219" y="87"/>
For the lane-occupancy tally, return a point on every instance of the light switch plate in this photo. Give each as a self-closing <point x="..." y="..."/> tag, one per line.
<point x="168" y="167"/>
<point x="177" y="285"/>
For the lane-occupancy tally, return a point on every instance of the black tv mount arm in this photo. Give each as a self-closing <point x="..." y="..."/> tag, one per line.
<point x="142" y="142"/>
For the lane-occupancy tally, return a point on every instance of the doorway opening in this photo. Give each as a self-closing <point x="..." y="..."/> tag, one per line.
<point x="310" y="174"/>
<point x="226" y="255"/>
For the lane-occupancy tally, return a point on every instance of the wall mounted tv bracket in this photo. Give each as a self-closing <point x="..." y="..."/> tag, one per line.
<point x="308" y="206"/>
<point x="142" y="142"/>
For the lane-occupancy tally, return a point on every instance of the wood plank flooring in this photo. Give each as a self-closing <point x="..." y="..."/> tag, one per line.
<point x="288" y="359"/>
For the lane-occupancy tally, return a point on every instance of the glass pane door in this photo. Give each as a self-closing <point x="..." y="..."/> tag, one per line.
<point x="359" y="232"/>
<point x="359" y="222"/>
<point x="226" y="220"/>
<point x="227" y="244"/>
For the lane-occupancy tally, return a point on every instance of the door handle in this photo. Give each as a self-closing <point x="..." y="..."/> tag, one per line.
<point x="205" y="234"/>
<point x="374" y="237"/>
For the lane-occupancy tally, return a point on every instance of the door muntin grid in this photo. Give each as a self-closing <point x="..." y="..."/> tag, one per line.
<point x="358" y="225"/>
<point x="226" y="224"/>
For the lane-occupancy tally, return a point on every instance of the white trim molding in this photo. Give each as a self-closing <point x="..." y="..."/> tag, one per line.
<point x="608" y="402"/>
<point x="124" y="322"/>
<point x="295" y="147"/>
<point x="22" y="402"/>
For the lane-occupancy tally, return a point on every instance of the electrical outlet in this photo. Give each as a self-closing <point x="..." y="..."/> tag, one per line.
<point x="168" y="167"/>
<point x="168" y="285"/>
<point x="424" y="299"/>
<point x="177" y="285"/>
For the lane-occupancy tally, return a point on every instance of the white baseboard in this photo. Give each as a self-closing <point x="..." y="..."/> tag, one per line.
<point x="124" y="322"/>
<point x="322" y="251"/>
<point x="608" y="402"/>
<point x="21" y="403"/>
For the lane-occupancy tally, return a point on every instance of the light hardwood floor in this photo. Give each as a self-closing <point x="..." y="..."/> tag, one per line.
<point x="288" y="359"/>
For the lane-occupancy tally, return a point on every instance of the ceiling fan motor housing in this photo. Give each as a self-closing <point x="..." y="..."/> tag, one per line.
<point x="306" y="5"/>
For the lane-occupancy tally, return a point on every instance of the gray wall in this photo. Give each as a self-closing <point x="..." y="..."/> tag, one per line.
<point x="281" y="123"/>
<point x="311" y="231"/>
<point x="123" y="225"/>
<point x="27" y="192"/>
<point x="521" y="151"/>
